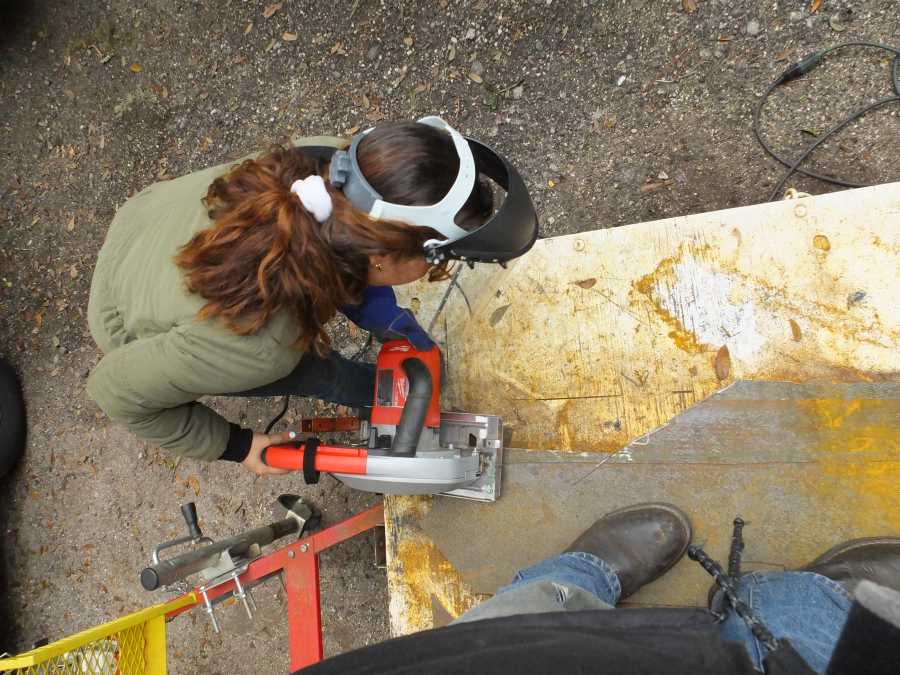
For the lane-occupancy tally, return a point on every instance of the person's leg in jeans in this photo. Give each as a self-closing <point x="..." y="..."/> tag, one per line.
<point x="809" y="607"/>
<point x="332" y="378"/>
<point x="612" y="559"/>
<point x="568" y="582"/>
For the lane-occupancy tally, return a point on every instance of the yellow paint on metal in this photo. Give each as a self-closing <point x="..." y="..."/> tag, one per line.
<point x="860" y="462"/>
<point x="155" y="651"/>
<point x="130" y="645"/>
<point x="594" y="340"/>
<point x="590" y="341"/>
<point x="420" y="577"/>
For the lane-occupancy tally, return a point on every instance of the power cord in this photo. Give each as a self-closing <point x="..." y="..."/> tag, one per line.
<point x="799" y="69"/>
<point x="277" y="418"/>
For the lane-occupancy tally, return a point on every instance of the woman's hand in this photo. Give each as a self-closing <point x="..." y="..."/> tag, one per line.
<point x="253" y="462"/>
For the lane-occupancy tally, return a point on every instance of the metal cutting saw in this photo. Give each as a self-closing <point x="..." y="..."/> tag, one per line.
<point x="407" y="446"/>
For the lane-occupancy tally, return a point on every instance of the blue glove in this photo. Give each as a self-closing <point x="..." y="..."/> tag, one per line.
<point x="379" y="314"/>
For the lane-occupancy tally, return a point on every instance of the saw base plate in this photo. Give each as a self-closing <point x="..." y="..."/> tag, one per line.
<point x="485" y="433"/>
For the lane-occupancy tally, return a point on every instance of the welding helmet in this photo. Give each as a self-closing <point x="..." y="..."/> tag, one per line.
<point x="507" y="234"/>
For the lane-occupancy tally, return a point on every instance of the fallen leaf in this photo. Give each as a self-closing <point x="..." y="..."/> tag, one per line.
<point x="722" y="364"/>
<point x="586" y="283"/>
<point x="783" y="56"/>
<point x="73" y="272"/>
<point x="70" y="226"/>
<point x="39" y="320"/>
<point x="289" y="37"/>
<point x="205" y="144"/>
<point x="796" y="333"/>
<point x="338" y="49"/>
<point x="551" y="183"/>
<point x="476" y="78"/>
<point x="270" y="10"/>
<point x="814" y="6"/>
<point x="451" y="52"/>
<point x="55" y="342"/>
<point x="653" y="187"/>
<point x="837" y="25"/>
<point x="820" y="241"/>
<point x="375" y="115"/>
<point x="136" y="68"/>
<point x="690" y="6"/>
<point x="408" y="41"/>
<point x="497" y="315"/>
<point x="402" y="76"/>
<point x="193" y="482"/>
<point x="248" y="27"/>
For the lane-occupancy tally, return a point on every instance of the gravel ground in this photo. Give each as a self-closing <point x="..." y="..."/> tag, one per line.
<point x="615" y="112"/>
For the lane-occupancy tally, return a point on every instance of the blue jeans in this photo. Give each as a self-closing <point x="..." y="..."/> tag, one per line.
<point x="807" y="609"/>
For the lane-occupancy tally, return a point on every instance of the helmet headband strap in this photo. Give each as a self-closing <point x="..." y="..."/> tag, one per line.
<point x="346" y="174"/>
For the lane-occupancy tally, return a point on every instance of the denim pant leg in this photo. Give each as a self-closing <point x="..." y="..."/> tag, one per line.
<point x="807" y="609"/>
<point x="568" y="582"/>
<point x="331" y="378"/>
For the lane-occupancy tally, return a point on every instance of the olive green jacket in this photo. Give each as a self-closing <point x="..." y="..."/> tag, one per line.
<point x="159" y="359"/>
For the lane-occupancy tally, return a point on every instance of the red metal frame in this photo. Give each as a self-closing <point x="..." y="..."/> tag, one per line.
<point x="299" y="562"/>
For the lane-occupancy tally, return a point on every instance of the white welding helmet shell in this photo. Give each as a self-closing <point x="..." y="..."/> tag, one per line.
<point x="510" y="232"/>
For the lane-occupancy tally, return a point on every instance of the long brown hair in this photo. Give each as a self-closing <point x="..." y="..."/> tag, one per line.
<point x="264" y="253"/>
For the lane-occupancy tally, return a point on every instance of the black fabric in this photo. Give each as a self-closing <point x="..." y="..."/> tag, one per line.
<point x="238" y="446"/>
<point x="330" y="378"/>
<point x="310" y="449"/>
<point x="615" y="642"/>
<point x="868" y="645"/>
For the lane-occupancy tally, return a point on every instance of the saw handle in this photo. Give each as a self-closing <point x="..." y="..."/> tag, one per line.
<point x="329" y="458"/>
<point x="415" y="409"/>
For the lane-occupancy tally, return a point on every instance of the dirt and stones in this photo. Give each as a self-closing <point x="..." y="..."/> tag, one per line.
<point x="614" y="112"/>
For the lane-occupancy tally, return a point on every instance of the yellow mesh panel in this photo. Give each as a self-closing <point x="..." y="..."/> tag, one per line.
<point x="131" y="645"/>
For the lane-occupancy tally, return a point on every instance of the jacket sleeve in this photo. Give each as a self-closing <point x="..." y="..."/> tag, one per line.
<point x="151" y="385"/>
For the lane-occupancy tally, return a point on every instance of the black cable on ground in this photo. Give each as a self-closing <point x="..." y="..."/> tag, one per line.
<point x="801" y="68"/>
<point x="277" y="418"/>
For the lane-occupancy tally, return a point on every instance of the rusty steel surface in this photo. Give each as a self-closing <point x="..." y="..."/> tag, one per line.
<point x="833" y="476"/>
<point x="591" y="342"/>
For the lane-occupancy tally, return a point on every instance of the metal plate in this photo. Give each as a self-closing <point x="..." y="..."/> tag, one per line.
<point x="589" y="343"/>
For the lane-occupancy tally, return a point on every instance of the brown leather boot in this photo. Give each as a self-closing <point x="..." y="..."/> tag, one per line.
<point x="876" y="559"/>
<point x="642" y="542"/>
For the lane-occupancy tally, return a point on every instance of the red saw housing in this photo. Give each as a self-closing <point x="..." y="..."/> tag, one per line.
<point x="392" y="385"/>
